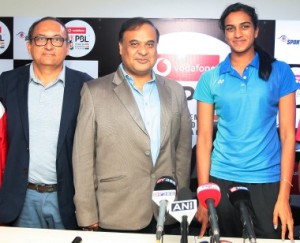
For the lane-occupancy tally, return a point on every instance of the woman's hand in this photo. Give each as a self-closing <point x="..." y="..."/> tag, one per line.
<point x="202" y="217"/>
<point x="282" y="212"/>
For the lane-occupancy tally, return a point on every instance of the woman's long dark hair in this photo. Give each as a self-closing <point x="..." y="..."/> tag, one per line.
<point x="265" y="59"/>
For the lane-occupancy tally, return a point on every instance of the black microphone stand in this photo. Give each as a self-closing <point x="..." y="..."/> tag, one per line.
<point x="248" y="232"/>
<point x="246" y="236"/>
<point x="184" y="229"/>
<point x="214" y="238"/>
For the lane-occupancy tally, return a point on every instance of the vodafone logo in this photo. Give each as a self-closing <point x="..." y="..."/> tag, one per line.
<point x="184" y="56"/>
<point x="77" y="30"/>
<point x="163" y="67"/>
<point x="185" y="68"/>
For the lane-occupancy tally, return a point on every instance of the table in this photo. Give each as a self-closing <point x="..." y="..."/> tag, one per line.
<point x="27" y="235"/>
<point x="240" y="240"/>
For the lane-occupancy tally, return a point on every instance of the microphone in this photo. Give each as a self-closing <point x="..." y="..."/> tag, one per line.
<point x="239" y="196"/>
<point x="183" y="211"/>
<point x="77" y="239"/>
<point x="209" y="196"/>
<point x="164" y="193"/>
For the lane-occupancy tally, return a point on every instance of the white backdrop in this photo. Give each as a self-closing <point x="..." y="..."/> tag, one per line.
<point x="267" y="9"/>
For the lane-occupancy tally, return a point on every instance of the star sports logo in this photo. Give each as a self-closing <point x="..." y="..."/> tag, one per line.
<point x="21" y="35"/>
<point x="185" y="67"/>
<point x="288" y="41"/>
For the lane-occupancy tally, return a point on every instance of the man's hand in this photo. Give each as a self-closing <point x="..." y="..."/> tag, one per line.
<point x="93" y="227"/>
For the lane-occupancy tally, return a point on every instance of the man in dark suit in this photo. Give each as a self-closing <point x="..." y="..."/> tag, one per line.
<point x="42" y="102"/>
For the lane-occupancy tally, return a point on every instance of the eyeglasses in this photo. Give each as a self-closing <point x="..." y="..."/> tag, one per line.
<point x="55" y="41"/>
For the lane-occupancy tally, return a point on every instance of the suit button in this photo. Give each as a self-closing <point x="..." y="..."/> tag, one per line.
<point x="27" y="149"/>
<point x="147" y="153"/>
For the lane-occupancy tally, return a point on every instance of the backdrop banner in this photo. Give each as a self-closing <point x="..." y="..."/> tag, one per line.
<point x="187" y="47"/>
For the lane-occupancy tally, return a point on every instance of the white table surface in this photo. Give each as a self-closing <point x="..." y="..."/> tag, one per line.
<point x="240" y="240"/>
<point x="26" y="235"/>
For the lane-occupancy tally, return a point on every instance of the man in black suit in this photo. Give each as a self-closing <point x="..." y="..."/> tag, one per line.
<point x="42" y="102"/>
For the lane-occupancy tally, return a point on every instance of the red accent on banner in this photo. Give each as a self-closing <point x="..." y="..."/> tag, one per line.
<point x="297" y="77"/>
<point x="298" y="132"/>
<point x="185" y="67"/>
<point x="3" y="142"/>
<point x="77" y="30"/>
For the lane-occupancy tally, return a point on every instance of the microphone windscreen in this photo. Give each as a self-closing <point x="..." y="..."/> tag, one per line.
<point x="165" y="183"/>
<point x="238" y="193"/>
<point x="184" y="194"/>
<point x="209" y="191"/>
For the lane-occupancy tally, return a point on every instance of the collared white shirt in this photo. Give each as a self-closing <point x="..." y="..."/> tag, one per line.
<point x="149" y="106"/>
<point x="44" y="114"/>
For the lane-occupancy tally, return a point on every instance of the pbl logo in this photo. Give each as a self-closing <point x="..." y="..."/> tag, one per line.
<point x="4" y="37"/>
<point x="77" y="34"/>
<point x="82" y="38"/>
<point x="185" y="67"/>
<point x="78" y="37"/>
<point x="1" y="34"/>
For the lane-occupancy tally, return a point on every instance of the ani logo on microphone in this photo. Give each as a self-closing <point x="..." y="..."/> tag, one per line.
<point x="183" y="206"/>
<point x="180" y="208"/>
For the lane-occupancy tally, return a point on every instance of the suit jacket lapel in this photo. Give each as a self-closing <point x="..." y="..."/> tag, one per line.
<point x="69" y="103"/>
<point x="23" y="99"/>
<point x="125" y="95"/>
<point x="165" y="106"/>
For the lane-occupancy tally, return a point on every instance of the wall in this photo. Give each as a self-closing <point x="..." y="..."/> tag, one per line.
<point x="267" y="9"/>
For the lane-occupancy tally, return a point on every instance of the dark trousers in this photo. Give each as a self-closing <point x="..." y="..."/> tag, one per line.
<point x="262" y="197"/>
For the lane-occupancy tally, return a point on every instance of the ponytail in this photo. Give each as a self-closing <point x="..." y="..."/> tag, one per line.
<point x="265" y="63"/>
